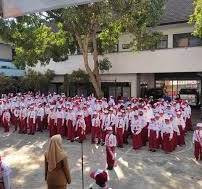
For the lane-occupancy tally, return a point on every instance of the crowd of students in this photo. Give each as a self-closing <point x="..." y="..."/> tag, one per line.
<point x="160" y="123"/>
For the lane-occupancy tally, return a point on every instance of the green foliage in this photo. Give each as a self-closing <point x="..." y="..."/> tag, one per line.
<point x="35" y="41"/>
<point x="105" y="65"/>
<point x="35" y="81"/>
<point x="32" y="81"/>
<point x="8" y="85"/>
<point x="52" y="35"/>
<point x="78" y="76"/>
<point x="196" y="18"/>
<point x="56" y="34"/>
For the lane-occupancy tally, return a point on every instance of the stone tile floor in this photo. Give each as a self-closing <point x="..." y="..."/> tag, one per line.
<point x="135" y="169"/>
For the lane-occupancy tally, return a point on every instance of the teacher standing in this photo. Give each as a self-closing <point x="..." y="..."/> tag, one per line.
<point x="57" y="173"/>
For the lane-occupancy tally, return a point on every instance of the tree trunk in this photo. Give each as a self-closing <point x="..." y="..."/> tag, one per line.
<point x="95" y="82"/>
<point x="93" y="79"/>
<point x="95" y="59"/>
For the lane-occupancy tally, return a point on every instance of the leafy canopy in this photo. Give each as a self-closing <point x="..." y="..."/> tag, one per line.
<point x="196" y="18"/>
<point x="54" y="34"/>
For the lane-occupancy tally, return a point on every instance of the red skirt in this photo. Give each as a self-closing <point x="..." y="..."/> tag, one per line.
<point x="95" y="133"/>
<point x="144" y="135"/>
<point x="70" y="130"/>
<point x="188" y="125"/>
<point x="32" y="126"/>
<point x="137" y="141"/>
<point x="153" y="140"/>
<point x="81" y="134"/>
<point x="59" y="127"/>
<point x="6" y="126"/>
<point x="52" y="128"/>
<point x="110" y="151"/>
<point x="174" y="140"/>
<point x="167" y="145"/>
<point x="197" y="150"/>
<point x="23" y="125"/>
<point x="119" y="136"/>
<point x="181" y="139"/>
<point x="88" y="124"/>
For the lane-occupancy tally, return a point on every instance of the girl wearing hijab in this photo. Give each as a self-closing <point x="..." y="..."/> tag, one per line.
<point x="57" y="173"/>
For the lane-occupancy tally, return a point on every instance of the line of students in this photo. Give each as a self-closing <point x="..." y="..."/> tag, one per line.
<point x="161" y="124"/>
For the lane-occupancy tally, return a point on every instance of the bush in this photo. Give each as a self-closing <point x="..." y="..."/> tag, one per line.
<point x="32" y="81"/>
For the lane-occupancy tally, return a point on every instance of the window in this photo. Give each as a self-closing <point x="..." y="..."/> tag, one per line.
<point x="186" y="40"/>
<point x="5" y="67"/>
<point x="114" y="49"/>
<point x="163" y="44"/>
<point x="125" y="46"/>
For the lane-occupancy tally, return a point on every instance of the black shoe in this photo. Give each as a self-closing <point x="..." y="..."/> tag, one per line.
<point x="110" y="168"/>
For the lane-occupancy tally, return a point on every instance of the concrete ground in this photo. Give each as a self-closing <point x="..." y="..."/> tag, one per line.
<point x="135" y="169"/>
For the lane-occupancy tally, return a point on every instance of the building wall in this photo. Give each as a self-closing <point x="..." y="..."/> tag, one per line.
<point x="5" y="52"/>
<point x="158" y="61"/>
<point x="137" y="67"/>
<point x="165" y="30"/>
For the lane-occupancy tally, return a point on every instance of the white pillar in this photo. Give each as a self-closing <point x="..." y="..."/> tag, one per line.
<point x="134" y="86"/>
<point x="170" y="41"/>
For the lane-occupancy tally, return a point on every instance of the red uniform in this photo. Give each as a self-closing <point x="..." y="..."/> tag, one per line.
<point x="153" y="135"/>
<point x="52" y="123"/>
<point x="197" y="139"/>
<point x="23" y="121"/>
<point x="6" y="121"/>
<point x="110" y="143"/>
<point x="136" y="131"/>
<point x="96" y="129"/>
<point x="31" y="120"/>
<point x="167" y="136"/>
<point x="71" y="126"/>
<point x="81" y="128"/>
<point x="119" y="128"/>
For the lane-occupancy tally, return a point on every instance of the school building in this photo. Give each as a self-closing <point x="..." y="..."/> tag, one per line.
<point x="176" y="62"/>
<point x="7" y="68"/>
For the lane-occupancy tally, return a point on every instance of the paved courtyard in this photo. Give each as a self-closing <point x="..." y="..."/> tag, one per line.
<point x="135" y="169"/>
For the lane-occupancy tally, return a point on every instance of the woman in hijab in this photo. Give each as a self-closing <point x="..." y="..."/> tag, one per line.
<point x="57" y="172"/>
<point x="5" y="173"/>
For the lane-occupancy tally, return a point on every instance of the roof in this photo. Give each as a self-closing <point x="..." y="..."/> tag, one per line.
<point x="177" y="11"/>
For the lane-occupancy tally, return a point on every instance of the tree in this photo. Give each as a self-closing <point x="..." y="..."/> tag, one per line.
<point x="196" y="18"/>
<point x="8" y="85"/>
<point x="36" y="81"/>
<point x="56" y="34"/>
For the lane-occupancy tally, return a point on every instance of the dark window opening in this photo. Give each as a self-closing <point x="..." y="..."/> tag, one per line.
<point x="163" y="43"/>
<point x="186" y="40"/>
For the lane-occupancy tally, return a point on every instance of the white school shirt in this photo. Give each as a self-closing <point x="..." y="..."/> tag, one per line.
<point x="23" y="113"/>
<point x="16" y="112"/>
<point x="175" y="127"/>
<point x="32" y="114"/>
<point x="120" y="122"/>
<point x="110" y="140"/>
<point x="96" y="122"/>
<point x="51" y="115"/>
<point x="167" y="128"/>
<point x="41" y="112"/>
<point x="81" y="123"/>
<point x="155" y="127"/>
<point x="6" y="116"/>
<point x="135" y="126"/>
<point x="180" y="121"/>
<point x="197" y="136"/>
